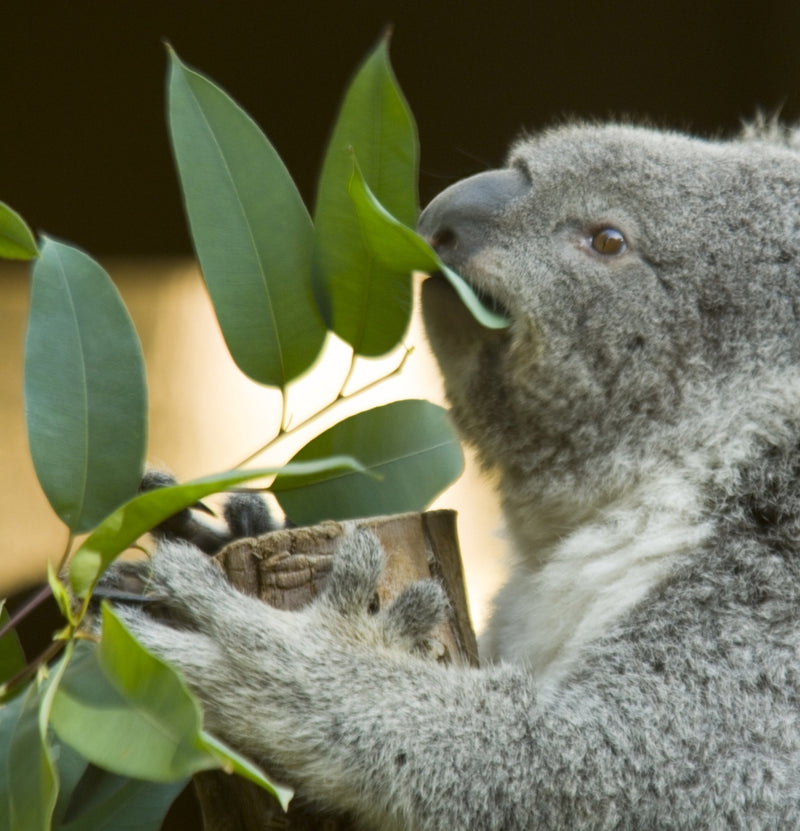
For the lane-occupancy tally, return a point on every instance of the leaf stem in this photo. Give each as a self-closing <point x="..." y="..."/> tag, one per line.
<point x="341" y="396"/>
<point x="284" y="405"/>
<point x="65" y="556"/>
<point x="30" y="669"/>
<point x="353" y="361"/>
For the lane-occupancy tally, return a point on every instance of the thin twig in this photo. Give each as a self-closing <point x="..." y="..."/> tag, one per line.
<point x="27" y="671"/>
<point x="65" y="556"/>
<point x="328" y="407"/>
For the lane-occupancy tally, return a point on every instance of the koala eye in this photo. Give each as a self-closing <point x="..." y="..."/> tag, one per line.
<point x="609" y="242"/>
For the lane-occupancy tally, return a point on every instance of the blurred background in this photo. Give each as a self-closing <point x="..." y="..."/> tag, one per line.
<point x="84" y="157"/>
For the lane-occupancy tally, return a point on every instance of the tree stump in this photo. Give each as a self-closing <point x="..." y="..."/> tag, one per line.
<point x="287" y="569"/>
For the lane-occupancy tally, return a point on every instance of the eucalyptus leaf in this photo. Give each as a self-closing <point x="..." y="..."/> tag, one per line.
<point x="231" y="762"/>
<point x="144" y="729"/>
<point x="12" y="657"/>
<point x="32" y="777"/>
<point x="85" y="389"/>
<point x="123" y="527"/>
<point x="71" y="767"/>
<point x="252" y="233"/>
<point x="367" y="303"/>
<point x="9" y="722"/>
<point x="105" y="801"/>
<point x="408" y="446"/>
<point x="16" y="239"/>
<point x="398" y="246"/>
<point x="60" y="594"/>
<point x="145" y="722"/>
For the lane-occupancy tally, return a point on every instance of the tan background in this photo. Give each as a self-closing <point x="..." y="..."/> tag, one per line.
<point x="205" y="416"/>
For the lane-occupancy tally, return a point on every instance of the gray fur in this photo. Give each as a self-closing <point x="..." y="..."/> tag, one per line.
<point x="643" y="414"/>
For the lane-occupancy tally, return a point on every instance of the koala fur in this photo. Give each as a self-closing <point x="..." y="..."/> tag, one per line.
<point x="642" y="411"/>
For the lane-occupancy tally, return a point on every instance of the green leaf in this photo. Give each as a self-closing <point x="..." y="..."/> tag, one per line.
<point x="144" y="728"/>
<point x="252" y="233"/>
<point x="408" y="444"/>
<point x="397" y="246"/>
<point x="231" y="762"/>
<point x="60" y="593"/>
<point x="92" y="799"/>
<point x="9" y="721"/>
<point x="31" y="774"/>
<point x="144" y="721"/>
<point x="97" y="800"/>
<point x="16" y="239"/>
<point x="123" y="527"/>
<point x="104" y="801"/>
<point x="85" y="389"/>
<point x="12" y="658"/>
<point x="366" y="303"/>
<point x="71" y="767"/>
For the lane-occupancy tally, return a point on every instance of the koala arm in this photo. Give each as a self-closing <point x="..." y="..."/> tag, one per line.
<point x="339" y="703"/>
<point x="333" y="699"/>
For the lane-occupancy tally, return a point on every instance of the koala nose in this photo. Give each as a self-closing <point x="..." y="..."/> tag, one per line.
<point x="456" y="222"/>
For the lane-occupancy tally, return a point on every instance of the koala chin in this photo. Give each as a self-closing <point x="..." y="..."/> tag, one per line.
<point x="642" y="413"/>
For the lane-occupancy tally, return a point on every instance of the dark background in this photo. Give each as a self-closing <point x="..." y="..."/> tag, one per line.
<point x="83" y="146"/>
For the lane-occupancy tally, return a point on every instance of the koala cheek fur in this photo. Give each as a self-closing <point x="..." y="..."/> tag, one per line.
<point x="642" y="666"/>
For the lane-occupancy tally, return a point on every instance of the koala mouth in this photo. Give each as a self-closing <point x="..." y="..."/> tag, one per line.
<point x="489" y="301"/>
<point x="479" y="294"/>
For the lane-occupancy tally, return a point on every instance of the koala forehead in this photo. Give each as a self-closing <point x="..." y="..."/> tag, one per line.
<point x="648" y="156"/>
<point x="660" y="180"/>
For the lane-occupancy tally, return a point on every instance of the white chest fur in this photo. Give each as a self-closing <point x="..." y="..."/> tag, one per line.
<point x="546" y="614"/>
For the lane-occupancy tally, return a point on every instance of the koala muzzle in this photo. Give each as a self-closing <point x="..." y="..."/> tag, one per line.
<point x="458" y="222"/>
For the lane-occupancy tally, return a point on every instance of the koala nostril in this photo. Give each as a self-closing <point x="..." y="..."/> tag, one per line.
<point x="446" y="238"/>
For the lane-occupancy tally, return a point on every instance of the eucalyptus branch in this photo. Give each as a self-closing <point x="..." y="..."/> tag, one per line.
<point x="340" y="398"/>
<point x="65" y="556"/>
<point x="29" y="670"/>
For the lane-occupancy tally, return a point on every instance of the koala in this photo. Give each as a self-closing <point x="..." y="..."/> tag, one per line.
<point x="641" y="412"/>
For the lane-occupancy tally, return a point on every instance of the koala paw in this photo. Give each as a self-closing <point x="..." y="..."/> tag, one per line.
<point x="248" y="515"/>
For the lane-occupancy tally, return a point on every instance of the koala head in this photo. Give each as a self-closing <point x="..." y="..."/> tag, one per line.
<point x="649" y="278"/>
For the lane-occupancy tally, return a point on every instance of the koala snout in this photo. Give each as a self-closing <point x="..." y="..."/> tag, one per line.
<point x="456" y="223"/>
